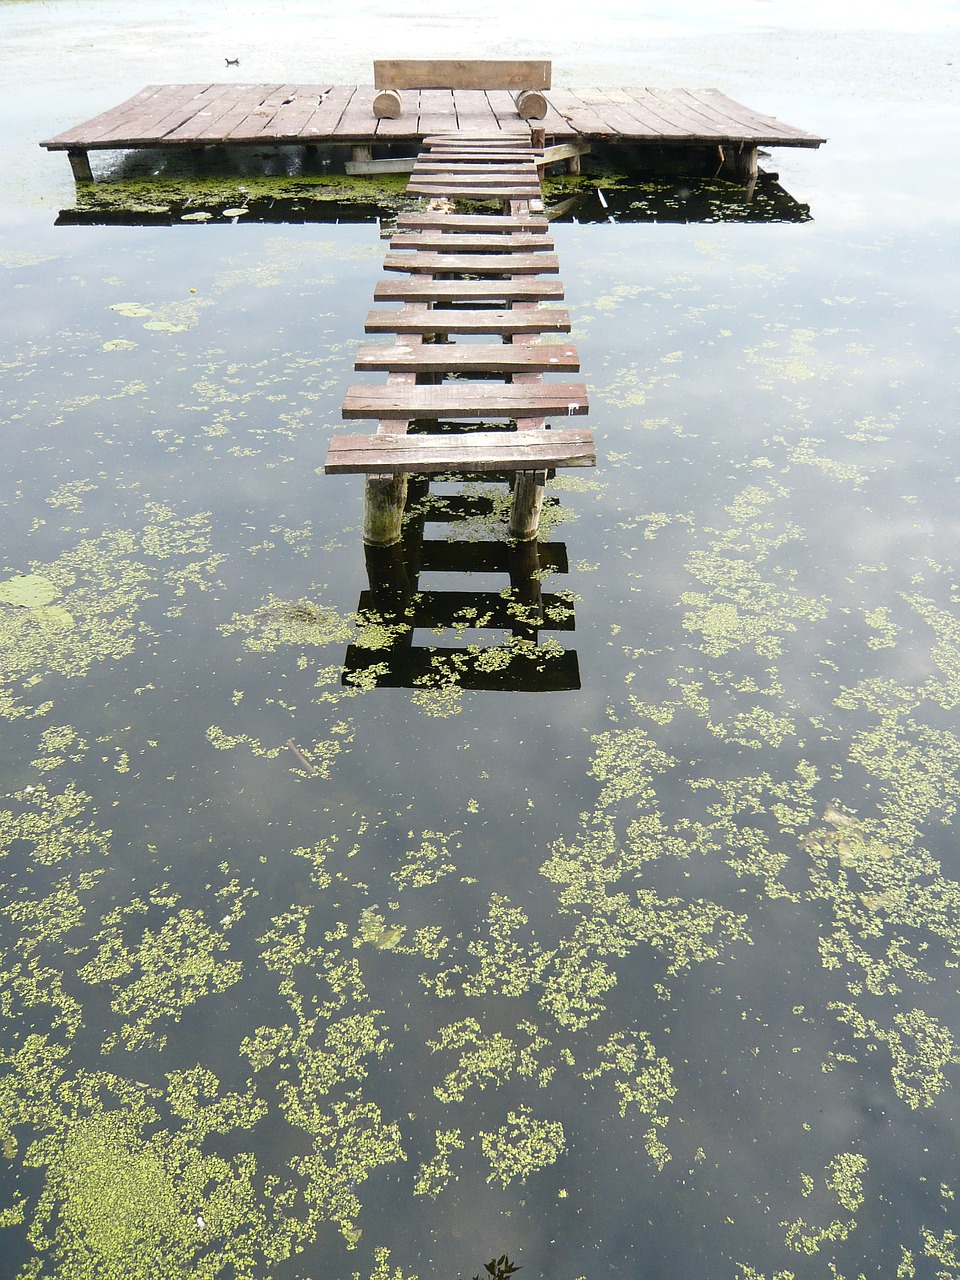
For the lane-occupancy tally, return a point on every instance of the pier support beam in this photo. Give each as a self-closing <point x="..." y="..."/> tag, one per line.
<point x="383" y="502"/>
<point x="740" y="160"/>
<point x="526" y="506"/>
<point x="80" y="164"/>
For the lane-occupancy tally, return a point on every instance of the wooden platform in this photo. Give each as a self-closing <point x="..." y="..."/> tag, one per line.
<point x="199" y="115"/>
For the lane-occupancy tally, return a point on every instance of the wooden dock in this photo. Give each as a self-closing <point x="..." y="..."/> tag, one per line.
<point x="466" y="407"/>
<point x="195" y="116"/>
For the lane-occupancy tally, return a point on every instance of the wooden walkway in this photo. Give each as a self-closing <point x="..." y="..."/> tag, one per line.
<point x="198" y="115"/>
<point x="435" y="387"/>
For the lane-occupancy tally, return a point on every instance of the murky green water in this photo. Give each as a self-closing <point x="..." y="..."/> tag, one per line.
<point x="656" y="976"/>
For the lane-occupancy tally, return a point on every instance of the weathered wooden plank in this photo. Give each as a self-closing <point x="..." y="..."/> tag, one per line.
<point x="291" y="116"/>
<point x="473" y="263"/>
<point x="465" y="400"/>
<point x="576" y="112"/>
<point x="444" y="321"/>
<point x="418" y="288"/>
<point x="258" y="123"/>
<point x="215" y="111"/>
<point x="473" y="110"/>
<point x="461" y="73"/>
<point x="392" y="164"/>
<point x="469" y="357"/>
<point x="565" y="151"/>
<point x="470" y="170"/>
<point x="437" y="110"/>
<point x="182" y="112"/>
<point x="693" y="126"/>
<point x="453" y="190"/>
<point x="757" y="127"/>
<point x="650" y="122"/>
<point x="127" y="118"/>
<point x="613" y="113"/>
<point x="489" y="222"/>
<point x="325" y="119"/>
<point x="478" y="451"/>
<point x="463" y="242"/>
<point x="357" y="120"/>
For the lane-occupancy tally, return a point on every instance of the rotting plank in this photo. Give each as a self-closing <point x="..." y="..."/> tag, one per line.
<point x="473" y="264"/>
<point x="454" y="190"/>
<point x="216" y="114"/>
<point x="469" y="357"/>
<point x="437" y="110"/>
<point x="181" y="112"/>
<point x="324" y="120"/>
<point x="614" y="113"/>
<point x="465" y="400"/>
<point x="127" y="120"/>
<point x="649" y="123"/>
<point x="463" y="242"/>
<point x="448" y="320"/>
<point x="473" y="109"/>
<point x="418" y="288"/>
<point x="260" y="124"/>
<point x="478" y="451"/>
<point x="357" y="120"/>
<point x="582" y="118"/>
<point x="292" y="116"/>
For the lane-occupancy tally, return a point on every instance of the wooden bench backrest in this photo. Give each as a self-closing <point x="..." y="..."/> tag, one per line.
<point x="461" y="73"/>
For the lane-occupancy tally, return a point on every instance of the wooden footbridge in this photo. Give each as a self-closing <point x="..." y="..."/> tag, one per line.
<point x="474" y="407"/>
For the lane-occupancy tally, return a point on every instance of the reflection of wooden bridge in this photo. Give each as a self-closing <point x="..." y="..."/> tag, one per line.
<point x="396" y="605"/>
<point x="495" y="263"/>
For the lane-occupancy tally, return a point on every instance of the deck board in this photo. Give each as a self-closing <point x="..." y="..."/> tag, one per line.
<point x="468" y="357"/>
<point x="489" y="323"/>
<point x="488" y="400"/>
<point x="479" y="451"/>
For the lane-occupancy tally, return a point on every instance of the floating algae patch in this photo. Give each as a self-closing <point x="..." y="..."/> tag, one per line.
<point x="750" y="599"/>
<point x="521" y="1147"/>
<point x="99" y="586"/>
<point x="280" y="624"/>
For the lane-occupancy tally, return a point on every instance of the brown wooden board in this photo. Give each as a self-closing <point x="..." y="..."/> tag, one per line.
<point x="756" y="127"/>
<point x="90" y="131"/>
<point x="437" y="111"/>
<point x="447" y="320"/>
<point x="583" y="117"/>
<point x="480" y="170"/>
<point x="464" y="400"/>
<point x="257" y="123"/>
<point x="357" y="120"/>
<point x="473" y="263"/>
<point x="463" y="242"/>
<point x="213" y="113"/>
<point x="424" y="289"/>
<point x="473" y="110"/>
<point x="613" y="113"/>
<point x="483" y="139"/>
<point x="494" y="191"/>
<point x="461" y="73"/>
<point x="291" y="116"/>
<point x="325" y="119"/>
<point x="478" y="451"/>
<point x="493" y="222"/>
<point x="469" y="357"/>
<point x="187" y="109"/>
<point x="650" y="122"/>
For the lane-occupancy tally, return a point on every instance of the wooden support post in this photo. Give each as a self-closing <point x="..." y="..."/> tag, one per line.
<point x="383" y="502"/>
<point x="80" y="164"/>
<point x="573" y="164"/>
<point x="740" y="160"/>
<point x="526" y="505"/>
<point x="361" y="152"/>
<point x="538" y="137"/>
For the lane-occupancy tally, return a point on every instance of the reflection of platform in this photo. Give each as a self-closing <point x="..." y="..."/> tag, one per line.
<point x="395" y="606"/>
<point x="687" y="199"/>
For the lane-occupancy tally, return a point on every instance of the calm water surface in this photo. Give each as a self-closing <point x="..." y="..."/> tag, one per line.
<point x="656" y="976"/>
